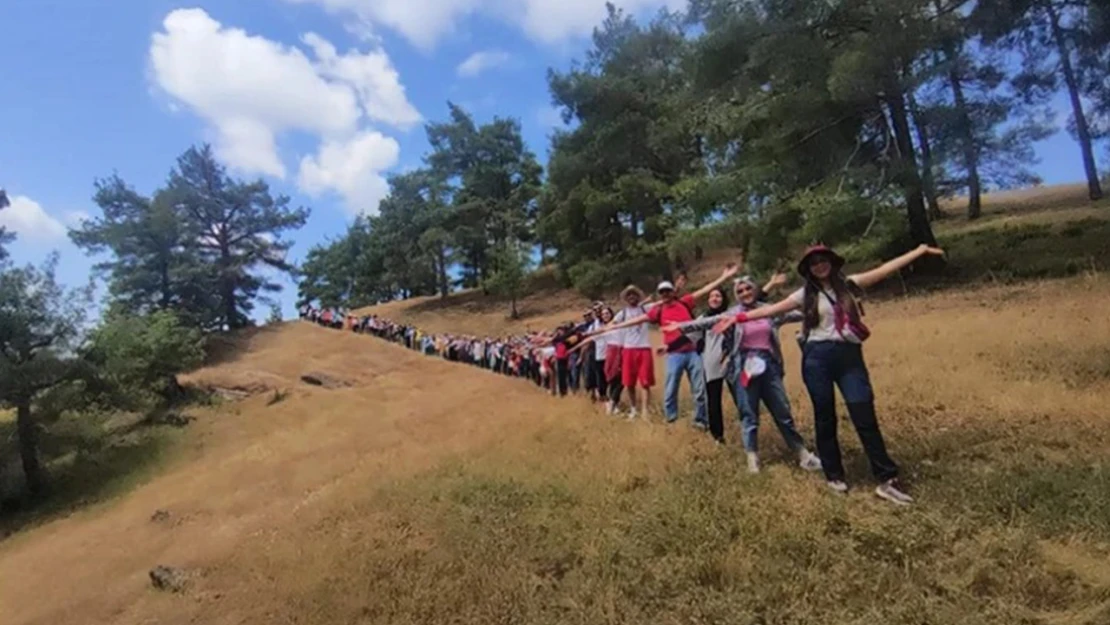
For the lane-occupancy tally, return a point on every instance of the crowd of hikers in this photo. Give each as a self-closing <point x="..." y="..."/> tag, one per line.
<point x="733" y="344"/>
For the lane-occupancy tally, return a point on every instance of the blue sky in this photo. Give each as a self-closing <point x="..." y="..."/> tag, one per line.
<point x="322" y="98"/>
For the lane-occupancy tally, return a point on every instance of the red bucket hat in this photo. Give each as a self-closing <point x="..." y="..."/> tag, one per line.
<point x="820" y="248"/>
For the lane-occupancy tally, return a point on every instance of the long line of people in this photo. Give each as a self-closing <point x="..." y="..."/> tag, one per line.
<point x="733" y="346"/>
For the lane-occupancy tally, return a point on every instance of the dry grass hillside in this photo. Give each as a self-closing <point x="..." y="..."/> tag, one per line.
<point x="427" y="492"/>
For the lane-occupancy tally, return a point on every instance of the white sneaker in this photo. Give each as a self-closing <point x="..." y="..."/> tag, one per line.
<point x="631" y="414"/>
<point x="753" y="463"/>
<point x="891" y="491"/>
<point x="610" y="407"/>
<point x="809" y="461"/>
<point x="838" y="486"/>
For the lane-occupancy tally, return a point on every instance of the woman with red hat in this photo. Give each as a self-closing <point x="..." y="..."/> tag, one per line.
<point x="832" y="356"/>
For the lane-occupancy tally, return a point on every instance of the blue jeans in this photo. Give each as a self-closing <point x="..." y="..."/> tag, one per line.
<point x="677" y="363"/>
<point x="826" y="364"/>
<point x="768" y="389"/>
<point x="574" y="371"/>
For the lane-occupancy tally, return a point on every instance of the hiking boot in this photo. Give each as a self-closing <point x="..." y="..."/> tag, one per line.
<point x="838" y="486"/>
<point x="809" y="461"/>
<point x="753" y="463"/>
<point x="891" y="490"/>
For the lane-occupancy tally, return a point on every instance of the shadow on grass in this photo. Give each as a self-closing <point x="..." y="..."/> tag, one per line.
<point x="227" y="347"/>
<point x="92" y="474"/>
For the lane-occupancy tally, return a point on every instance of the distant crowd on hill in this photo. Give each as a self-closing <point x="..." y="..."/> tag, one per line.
<point x="733" y="346"/>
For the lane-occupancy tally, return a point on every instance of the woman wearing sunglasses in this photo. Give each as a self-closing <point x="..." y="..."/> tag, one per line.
<point x="832" y="356"/>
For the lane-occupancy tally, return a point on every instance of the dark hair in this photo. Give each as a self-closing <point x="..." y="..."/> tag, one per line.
<point x="848" y="294"/>
<point x="724" y="302"/>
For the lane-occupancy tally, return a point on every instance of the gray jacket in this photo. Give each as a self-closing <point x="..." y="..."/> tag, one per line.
<point x="715" y="361"/>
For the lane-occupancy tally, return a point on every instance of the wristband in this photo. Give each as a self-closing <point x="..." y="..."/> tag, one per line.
<point x="742" y="317"/>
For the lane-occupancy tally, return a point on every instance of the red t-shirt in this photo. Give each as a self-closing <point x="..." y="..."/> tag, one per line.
<point x="678" y="311"/>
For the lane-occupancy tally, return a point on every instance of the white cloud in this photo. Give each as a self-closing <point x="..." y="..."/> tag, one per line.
<point x="481" y="61"/>
<point x="252" y="90"/>
<point x="27" y="218"/>
<point x="353" y="168"/>
<point x="372" y="76"/>
<point x="76" y="218"/>
<point x="425" y="22"/>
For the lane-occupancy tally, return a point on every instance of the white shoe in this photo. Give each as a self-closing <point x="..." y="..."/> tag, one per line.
<point x="753" y="463"/>
<point x="891" y="491"/>
<point x="839" y="487"/>
<point x="809" y="461"/>
<point x="610" y="407"/>
<point x="631" y="414"/>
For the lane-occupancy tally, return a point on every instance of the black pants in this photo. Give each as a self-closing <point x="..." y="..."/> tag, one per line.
<point x="597" y="378"/>
<point x="829" y="364"/>
<point x="589" y="360"/>
<point x="562" y="374"/>
<point x="713" y="392"/>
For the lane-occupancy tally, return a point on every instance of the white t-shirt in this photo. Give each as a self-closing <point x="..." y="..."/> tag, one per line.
<point x="602" y="341"/>
<point x="635" y="337"/>
<point x="826" y="320"/>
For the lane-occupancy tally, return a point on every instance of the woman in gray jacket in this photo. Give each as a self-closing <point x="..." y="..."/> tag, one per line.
<point x="754" y="372"/>
<point x="715" y="361"/>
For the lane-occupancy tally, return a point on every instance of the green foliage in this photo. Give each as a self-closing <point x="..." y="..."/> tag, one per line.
<point x="136" y="359"/>
<point x="762" y="125"/>
<point x="195" y="247"/>
<point x="276" y="316"/>
<point x="510" y="277"/>
<point x="40" y="326"/>
<point x="640" y="264"/>
<point x="477" y="192"/>
<point x="5" y="236"/>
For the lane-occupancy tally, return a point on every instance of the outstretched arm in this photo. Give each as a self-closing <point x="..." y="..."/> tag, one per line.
<point x="781" y="308"/>
<point x="731" y="270"/>
<point x="697" y="325"/>
<point x="889" y="268"/>
<point x="580" y="345"/>
<point x="635" y="321"/>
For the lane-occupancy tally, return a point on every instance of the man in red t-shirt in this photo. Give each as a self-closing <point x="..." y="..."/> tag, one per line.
<point x="681" y="352"/>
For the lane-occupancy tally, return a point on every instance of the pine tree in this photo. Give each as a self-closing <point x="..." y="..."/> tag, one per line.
<point x="236" y="227"/>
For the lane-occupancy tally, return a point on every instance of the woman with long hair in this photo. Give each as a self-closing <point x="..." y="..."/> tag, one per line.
<point x="747" y="345"/>
<point x="832" y="357"/>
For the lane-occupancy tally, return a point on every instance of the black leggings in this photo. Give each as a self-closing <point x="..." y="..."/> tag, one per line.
<point x="713" y="391"/>
<point x="615" y="389"/>
<point x="562" y="372"/>
<point x="597" y="378"/>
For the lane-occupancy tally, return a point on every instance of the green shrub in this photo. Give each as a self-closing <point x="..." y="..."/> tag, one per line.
<point x="136" y="359"/>
<point x="593" y="278"/>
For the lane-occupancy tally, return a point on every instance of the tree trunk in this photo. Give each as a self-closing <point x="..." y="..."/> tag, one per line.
<point x="970" y="149"/>
<point x="29" y="448"/>
<point x="1094" y="187"/>
<point x="920" y="229"/>
<point x="227" y="288"/>
<point x="515" y="314"/>
<point x="928" y="182"/>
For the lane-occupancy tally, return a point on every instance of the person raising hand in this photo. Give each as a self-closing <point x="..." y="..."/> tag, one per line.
<point x="832" y="357"/>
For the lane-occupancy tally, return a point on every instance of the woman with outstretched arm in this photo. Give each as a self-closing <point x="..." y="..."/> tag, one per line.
<point x="832" y="357"/>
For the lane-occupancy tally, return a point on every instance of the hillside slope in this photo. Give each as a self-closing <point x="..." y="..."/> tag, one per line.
<point x="428" y="492"/>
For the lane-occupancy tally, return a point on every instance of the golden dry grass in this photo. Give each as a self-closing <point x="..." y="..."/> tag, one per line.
<point x="435" y="493"/>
